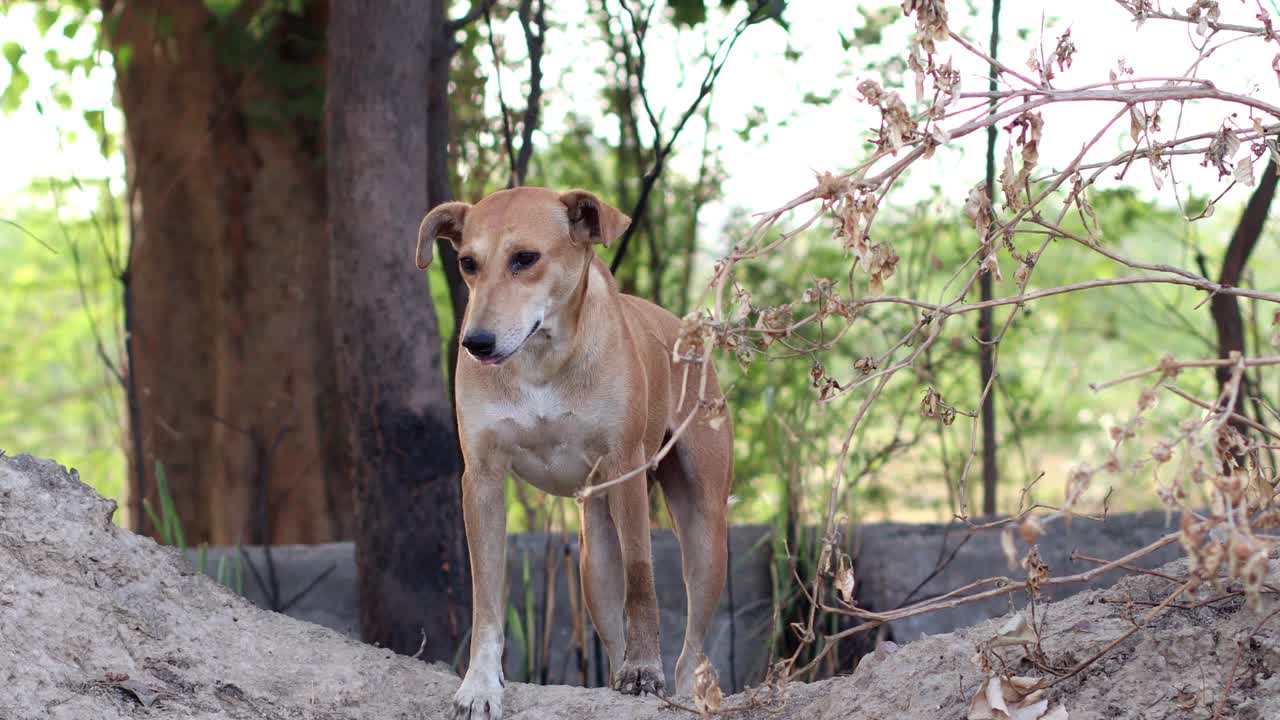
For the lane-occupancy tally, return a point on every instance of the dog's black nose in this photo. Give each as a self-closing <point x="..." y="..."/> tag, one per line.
<point x="480" y="343"/>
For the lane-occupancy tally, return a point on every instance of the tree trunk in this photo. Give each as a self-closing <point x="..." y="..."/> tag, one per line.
<point x="381" y="149"/>
<point x="231" y="337"/>
<point x="986" y="350"/>
<point x="1226" y="308"/>
<point x="438" y="189"/>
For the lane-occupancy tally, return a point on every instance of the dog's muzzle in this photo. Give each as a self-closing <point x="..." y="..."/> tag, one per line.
<point x="483" y="345"/>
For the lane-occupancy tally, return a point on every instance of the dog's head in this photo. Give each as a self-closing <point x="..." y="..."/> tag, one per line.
<point x="522" y="254"/>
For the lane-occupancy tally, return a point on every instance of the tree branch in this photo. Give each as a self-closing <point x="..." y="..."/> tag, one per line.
<point x="529" y="20"/>
<point x="478" y="8"/>
<point x="663" y="150"/>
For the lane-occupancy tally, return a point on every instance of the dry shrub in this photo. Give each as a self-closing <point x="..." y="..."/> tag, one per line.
<point x="1215" y="470"/>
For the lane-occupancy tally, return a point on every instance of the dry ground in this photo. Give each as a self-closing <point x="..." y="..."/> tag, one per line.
<point x="84" y="604"/>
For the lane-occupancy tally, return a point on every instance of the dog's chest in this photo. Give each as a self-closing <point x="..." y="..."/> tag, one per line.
<point x="553" y="440"/>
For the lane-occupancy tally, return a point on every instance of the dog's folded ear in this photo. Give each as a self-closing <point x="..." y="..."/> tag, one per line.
<point x="593" y="221"/>
<point x="444" y="221"/>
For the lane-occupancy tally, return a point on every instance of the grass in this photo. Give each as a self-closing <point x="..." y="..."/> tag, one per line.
<point x="168" y="524"/>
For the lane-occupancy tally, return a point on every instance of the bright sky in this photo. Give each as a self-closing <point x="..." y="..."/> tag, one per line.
<point x="779" y="159"/>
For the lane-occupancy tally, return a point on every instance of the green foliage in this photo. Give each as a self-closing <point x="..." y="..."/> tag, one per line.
<point x="222" y="9"/>
<point x="168" y="524"/>
<point x="69" y="18"/>
<point x="230" y="571"/>
<point x="687" y="13"/>
<point x="281" y="47"/>
<point x="59" y="399"/>
<point x="530" y="620"/>
<point x="1048" y="417"/>
<point x="518" y="636"/>
<point x="166" y="521"/>
<point x="871" y="32"/>
<point x="18" y="79"/>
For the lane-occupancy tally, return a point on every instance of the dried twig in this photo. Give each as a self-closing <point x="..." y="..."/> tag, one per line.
<point x="1235" y="661"/>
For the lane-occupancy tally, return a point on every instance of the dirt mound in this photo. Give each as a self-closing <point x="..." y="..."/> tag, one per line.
<point x="96" y="622"/>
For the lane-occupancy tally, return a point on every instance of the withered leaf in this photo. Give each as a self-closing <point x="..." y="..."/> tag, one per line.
<point x="845" y="582"/>
<point x="1030" y="529"/>
<point x="1011" y="698"/>
<point x="1010" y="550"/>
<point x="1015" y="631"/>
<point x="1243" y="172"/>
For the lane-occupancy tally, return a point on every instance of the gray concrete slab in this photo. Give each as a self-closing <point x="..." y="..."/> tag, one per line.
<point x="891" y="560"/>
<point x="318" y="584"/>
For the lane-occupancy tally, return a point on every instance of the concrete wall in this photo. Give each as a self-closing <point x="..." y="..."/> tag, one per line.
<point x="317" y="583"/>
<point x="893" y="559"/>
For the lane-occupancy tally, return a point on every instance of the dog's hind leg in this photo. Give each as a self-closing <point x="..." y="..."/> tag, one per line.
<point x="695" y="479"/>
<point x="600" y="564"/>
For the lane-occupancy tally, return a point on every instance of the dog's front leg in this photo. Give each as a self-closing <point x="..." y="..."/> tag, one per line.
<point x="484" y="513"/>
<point x="641" y="669"/>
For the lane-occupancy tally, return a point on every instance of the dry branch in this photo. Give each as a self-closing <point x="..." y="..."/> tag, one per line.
<point x="1220" y="453"/>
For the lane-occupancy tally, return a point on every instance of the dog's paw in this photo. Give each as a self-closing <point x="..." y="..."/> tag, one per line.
<point x="478" y="700"/>
<point x="637" y="678"/>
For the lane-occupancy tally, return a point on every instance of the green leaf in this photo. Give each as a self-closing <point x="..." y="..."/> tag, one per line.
<point x="95" y="119"/>
<point x="45" y="18"/>
<point x="171" y="524"/>
<point x="223" y="577"/>
<point x="772" y="10"/>
<point x="531" y="629"/>
<point x="12" y="52"/>
<point x="222" y="9"/>
<point x="811" y="98"/>
<point x="872" y="30"/>
<point x="163" y="25"/>
<point x="688" y="12"/>
<point x="517" y="630"/>
<point x="124" y="56"/>
<point x="154" y="518"/>
<point x="11" y="99"/>
<point x="71" y="29"/>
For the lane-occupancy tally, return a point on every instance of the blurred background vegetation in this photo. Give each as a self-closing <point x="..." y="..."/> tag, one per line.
<point x="61" y="319"/>
<point x="171" y="168"/>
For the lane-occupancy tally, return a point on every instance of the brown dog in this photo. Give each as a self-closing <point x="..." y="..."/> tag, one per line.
<point x="568" y="382"/>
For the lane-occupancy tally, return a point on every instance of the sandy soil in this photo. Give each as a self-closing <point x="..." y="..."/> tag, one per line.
<point x="96" y="622"/>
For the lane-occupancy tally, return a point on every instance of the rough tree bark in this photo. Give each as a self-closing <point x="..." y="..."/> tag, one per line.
<point x="232" y="345"/>
<point x="1226" y="308"/>
<point x="410" y="546"/>
<point x="438" y="190"/>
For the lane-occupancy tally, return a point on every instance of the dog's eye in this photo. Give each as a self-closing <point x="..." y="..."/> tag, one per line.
<point x="523" y="260"/>
<point x="467" y="264"/>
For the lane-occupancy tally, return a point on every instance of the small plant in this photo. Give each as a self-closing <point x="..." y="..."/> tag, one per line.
<point x="166" y="521"/>
<point x="168" y="525"/>
<point x="230" y="571"/>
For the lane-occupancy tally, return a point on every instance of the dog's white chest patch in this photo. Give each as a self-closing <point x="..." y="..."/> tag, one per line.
<point x="550" y="441"/>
